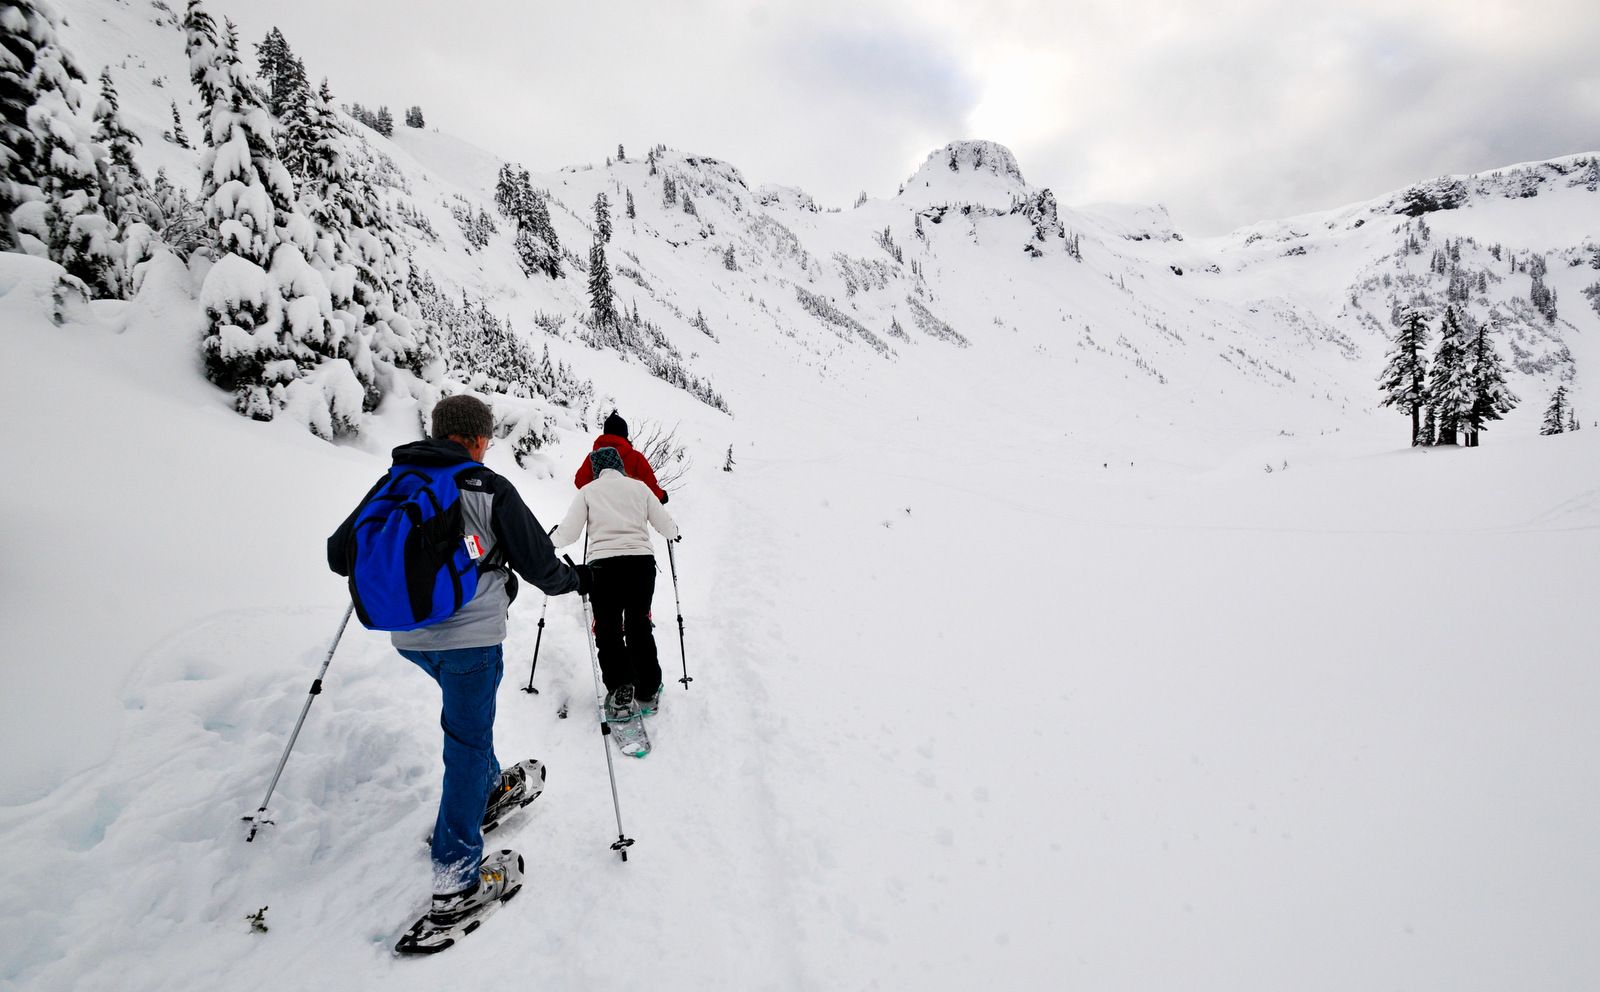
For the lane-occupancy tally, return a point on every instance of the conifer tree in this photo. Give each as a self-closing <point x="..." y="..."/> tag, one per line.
<point x="284" y="75"/>
<point x="176" y="135"/>
<point x="628" y="208"/>
<point x="22" y="29"/>
<point x="539" y="224"/>
<point x="1449" y="380"/>
<point x="505" y="192"/>
<point x="1430" y="428"/>
<point x="621" y="157"/>
<point x="244" y="189"/>
<point x="385" y="124"/>
<point x="414" y="117"/>
<point x="602" y="216"/>
<point x="126" y="196"/>
<point x="51" y="183"/>
<point x="1557" y="413"/>
<point x="602" y="304"/>
<point x="1491" y="399"/>
<point x="244" y="186"/>
<point x="1404" y="380"/>
<point x="729" y="262"/>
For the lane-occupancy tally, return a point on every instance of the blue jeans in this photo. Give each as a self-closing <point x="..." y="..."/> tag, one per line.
<point x="468" y="678"/>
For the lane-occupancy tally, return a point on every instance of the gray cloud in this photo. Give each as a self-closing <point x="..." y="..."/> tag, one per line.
<point x="1228" y="112"/>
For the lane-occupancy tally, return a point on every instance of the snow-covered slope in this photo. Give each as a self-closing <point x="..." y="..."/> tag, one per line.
<point x="1062" y="621"/>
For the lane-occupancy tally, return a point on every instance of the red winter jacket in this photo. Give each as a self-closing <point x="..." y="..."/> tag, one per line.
<point x="635" y="464"/>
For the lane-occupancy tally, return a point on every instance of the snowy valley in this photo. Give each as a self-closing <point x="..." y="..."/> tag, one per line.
<point x="1071" y="613"/>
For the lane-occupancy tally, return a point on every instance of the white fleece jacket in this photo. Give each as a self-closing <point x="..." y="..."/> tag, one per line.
<point x="615" y="508"/>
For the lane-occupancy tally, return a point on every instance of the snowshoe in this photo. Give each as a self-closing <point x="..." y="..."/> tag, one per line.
<point x="452" y="917"/>
<point x="519" y="785"/>
<point x="651" y="704"/>
<point x="625" y="724"/>
<point x="620" y="705"/>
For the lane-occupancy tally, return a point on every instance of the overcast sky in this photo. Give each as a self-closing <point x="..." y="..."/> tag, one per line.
<point x="1227" y="112"/>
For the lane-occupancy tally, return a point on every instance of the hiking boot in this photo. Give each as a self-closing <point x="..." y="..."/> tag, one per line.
<point x="519" y="785"/>
<point x="499" y="878"/>
<point x="650" y="704"/>
<point x="620" y="705"/>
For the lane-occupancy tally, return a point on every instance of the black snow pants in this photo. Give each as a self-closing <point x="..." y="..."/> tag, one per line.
<point x="624" y="587"/>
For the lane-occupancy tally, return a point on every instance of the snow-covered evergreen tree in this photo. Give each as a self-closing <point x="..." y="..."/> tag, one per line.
<point x="1557" y="413"/>
<point x="414" y="117"/>
<point x="628" y="205"/>
<point x="51" y="183"/>
<point x="177" y="135"/>
<point x="540" y="227"/>
<point x="246" y="193"/>
<point x="1404" y="380"/>
<point x="385" y="125"/>
<point x="602" y="216"/>
<point x="1541" y="296"/>
<point x="602" y="303"/>
<point x="729" y="261"/>
<point x="23" y="28"/>
<point x="1430" y="429"/>
<point x="283" y="73"/>
<point x="537" y="245"/>
<point x="1450" y="391"/>
<point x="244" y="185"/>
<point x="1491" y="399"/>
<point x="126" y="197"/>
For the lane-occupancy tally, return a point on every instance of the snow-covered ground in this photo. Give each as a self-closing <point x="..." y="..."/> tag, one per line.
<point x="971" y="705"/>
<point x="1117" y="643"/>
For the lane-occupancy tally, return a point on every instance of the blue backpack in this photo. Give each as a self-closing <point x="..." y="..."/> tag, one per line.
<point x="412" y="567"/>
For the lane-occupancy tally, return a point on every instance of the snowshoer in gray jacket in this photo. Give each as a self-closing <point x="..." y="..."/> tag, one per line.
<point x="464" y="655"/>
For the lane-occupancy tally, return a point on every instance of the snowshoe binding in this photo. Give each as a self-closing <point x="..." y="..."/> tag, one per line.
<point x="651" y="704"/>
<point x="519" y="785"/>
<point x="452" y="917"/>
<point x="625" y="724"/>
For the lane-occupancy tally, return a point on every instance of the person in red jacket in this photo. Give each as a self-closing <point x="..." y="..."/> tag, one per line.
<point x="634" y="465"/>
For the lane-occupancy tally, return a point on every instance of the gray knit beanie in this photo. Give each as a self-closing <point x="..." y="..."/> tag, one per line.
<point x="462" y="416"/>
<point x="601" y="459"/>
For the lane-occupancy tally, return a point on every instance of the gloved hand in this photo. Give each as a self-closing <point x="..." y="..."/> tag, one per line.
<point x="585" y="579"/>
<point x="663" y="497"/>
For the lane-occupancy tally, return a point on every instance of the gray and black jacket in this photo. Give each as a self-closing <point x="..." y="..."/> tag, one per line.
<point x="512" y="539"/>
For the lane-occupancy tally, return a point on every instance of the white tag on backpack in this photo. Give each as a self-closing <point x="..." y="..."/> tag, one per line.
<point x="474" y="546"/>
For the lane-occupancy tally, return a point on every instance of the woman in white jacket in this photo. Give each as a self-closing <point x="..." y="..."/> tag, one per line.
<point x="618" y="512"/>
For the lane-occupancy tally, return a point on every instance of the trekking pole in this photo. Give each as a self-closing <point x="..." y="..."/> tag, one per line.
<point x="538" y="639"/>
<point x="623" y="842"/>
<point x="259" y="818"/>
<point x="673" y="561"/>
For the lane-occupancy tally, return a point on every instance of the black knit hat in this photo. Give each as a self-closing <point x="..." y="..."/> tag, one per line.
<point x="616" y="425"/>
<point x="462" y="416"/>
